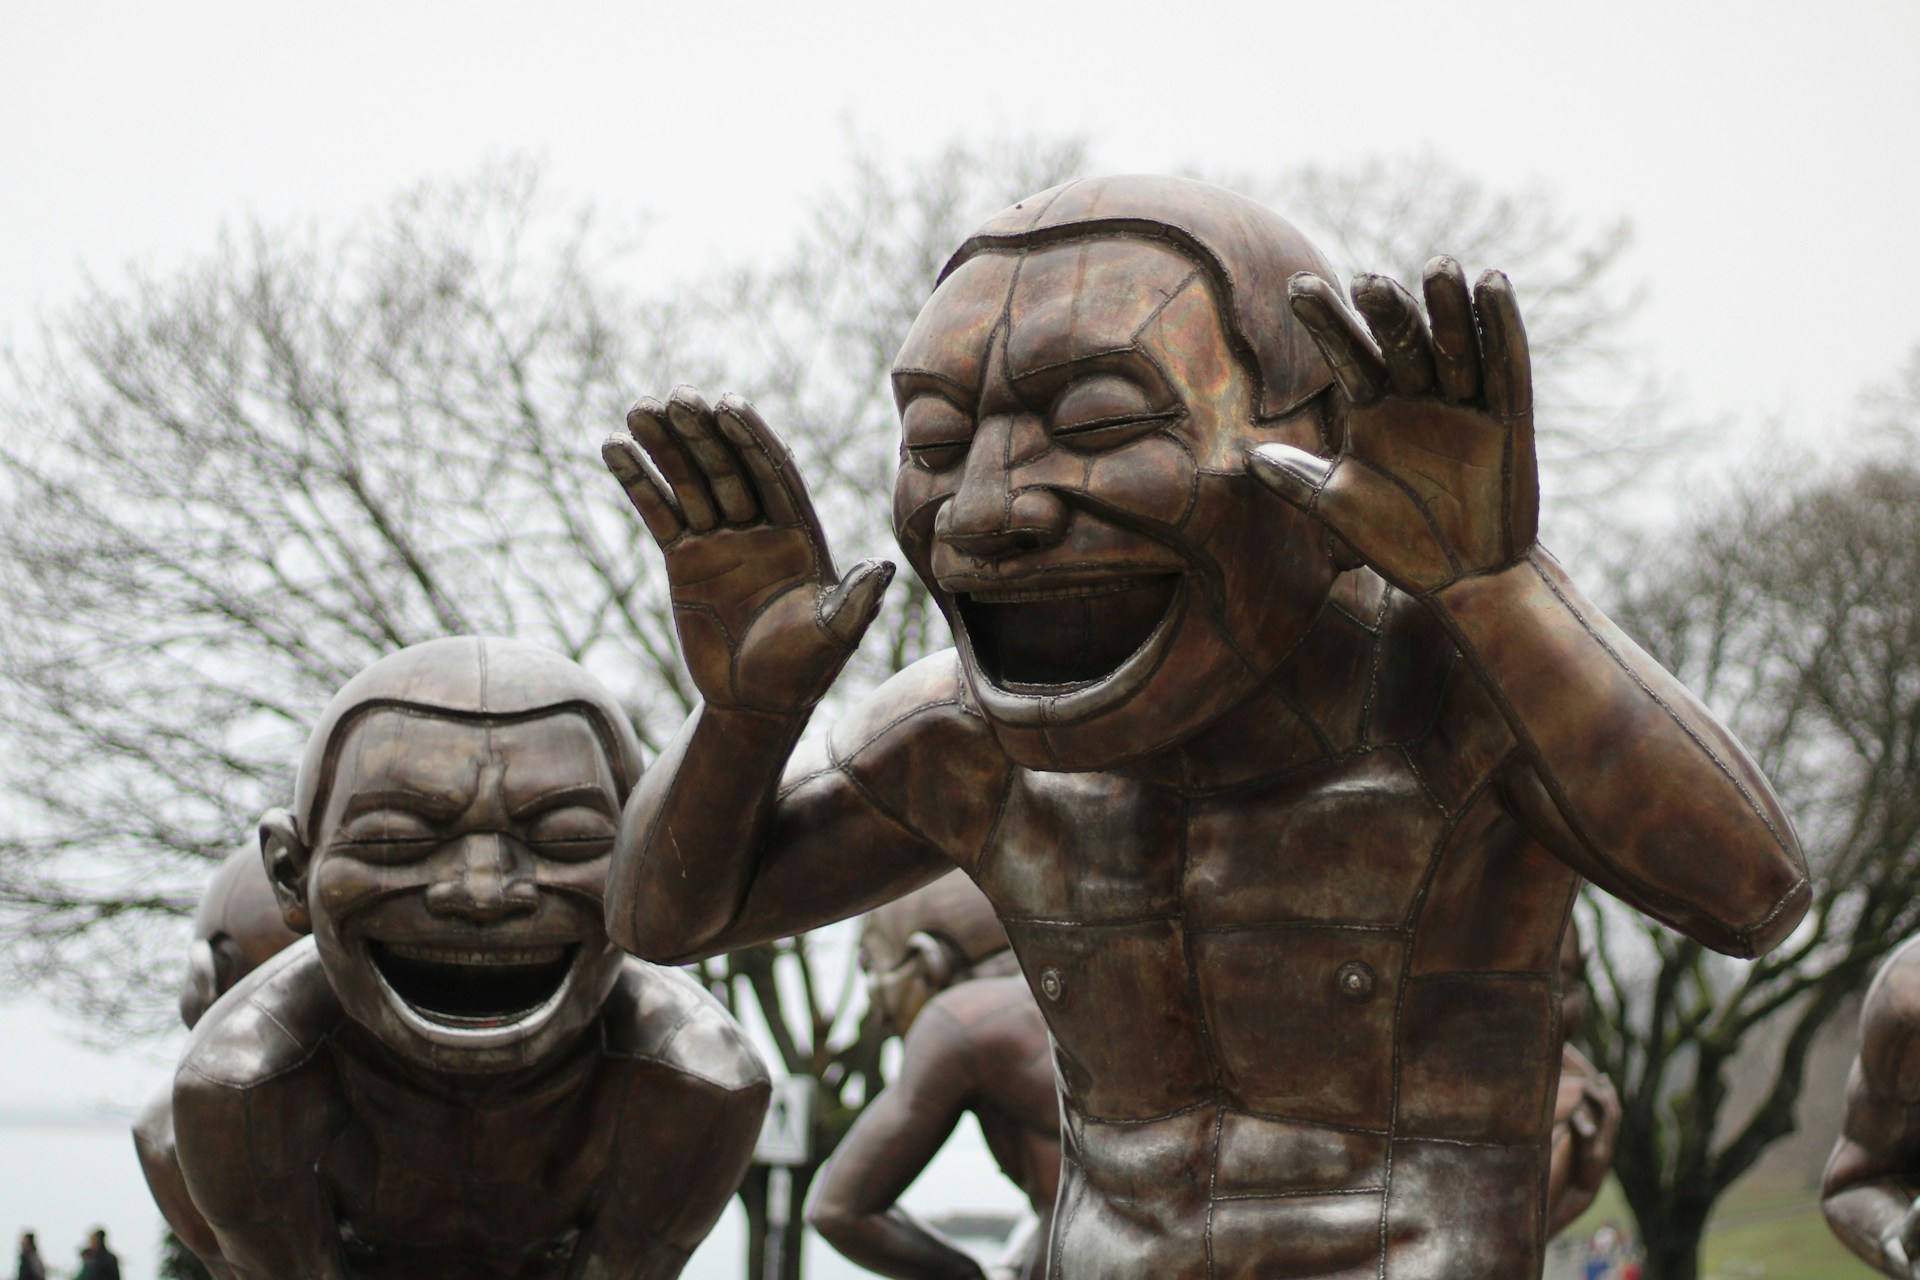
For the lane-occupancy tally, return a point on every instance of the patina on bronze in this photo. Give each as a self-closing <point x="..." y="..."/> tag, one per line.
<point x="1873" y="1177"/>
<point x="940" y="973"/>
<point x="1275" y="739"/>
<point x="457" y="1075"/>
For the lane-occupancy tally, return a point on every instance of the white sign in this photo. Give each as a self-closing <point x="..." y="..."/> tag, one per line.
<point x="786" y="1135"/>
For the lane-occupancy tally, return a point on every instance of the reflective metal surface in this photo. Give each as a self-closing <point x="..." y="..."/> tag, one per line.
<point x="939" y="970"/>
<point x="1262" y="686"/>
<point x="457" y="1074"/>
<point x="1873" y="1176"/>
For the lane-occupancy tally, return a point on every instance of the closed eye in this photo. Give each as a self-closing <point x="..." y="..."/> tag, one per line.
<point x="936" y="432"/>
<point x="572" y="834"/>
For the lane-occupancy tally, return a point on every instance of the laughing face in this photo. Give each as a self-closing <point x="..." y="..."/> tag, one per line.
<point x="1072" y="490"/>
<point x="456" y="882"/>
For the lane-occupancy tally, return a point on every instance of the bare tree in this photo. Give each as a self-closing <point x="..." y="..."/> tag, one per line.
<point x="1790" y="608"/>
<point x="228" y="489"/>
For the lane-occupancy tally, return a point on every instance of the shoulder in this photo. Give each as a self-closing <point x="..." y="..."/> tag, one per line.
<point x="985" y="1020"/>
<point x="919" y="750"/>
<point x="1890" y="1027"/>
<point x="662" y="1016"/>
<point x="271" y="1023"/>
<point x="928" y="696"/>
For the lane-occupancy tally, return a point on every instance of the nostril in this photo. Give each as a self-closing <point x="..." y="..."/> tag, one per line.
<point x="1026" y="542"/>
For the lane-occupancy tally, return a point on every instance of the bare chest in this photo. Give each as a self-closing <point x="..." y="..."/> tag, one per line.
<point x="1300" y="951"/>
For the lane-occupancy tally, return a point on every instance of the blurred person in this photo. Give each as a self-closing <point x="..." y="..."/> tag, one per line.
<point x="97" y="1262"/>
<point x="31" y="1268"/>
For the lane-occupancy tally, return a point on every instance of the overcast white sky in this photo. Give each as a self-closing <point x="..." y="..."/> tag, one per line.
<point x="1767" y="153"/>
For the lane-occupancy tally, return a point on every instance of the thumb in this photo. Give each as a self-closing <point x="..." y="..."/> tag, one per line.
<point x="1296" y="475"/>
<point x="848" y="609"/>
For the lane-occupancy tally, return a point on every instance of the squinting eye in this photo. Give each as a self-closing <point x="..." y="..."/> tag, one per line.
<point x="936" y="432"/>
<point x="387" y="836"/>
<point x="573" y="834"/>
<point x="1104" y="411"/>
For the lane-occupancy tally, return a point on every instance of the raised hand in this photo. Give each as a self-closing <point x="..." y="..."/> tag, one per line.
<point x="1437" y="478"/>
<point x="765" y="623"/>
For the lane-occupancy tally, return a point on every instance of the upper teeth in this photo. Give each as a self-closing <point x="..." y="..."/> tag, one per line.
<point x="1016" y="595"/>
<point x="470" y="955"/>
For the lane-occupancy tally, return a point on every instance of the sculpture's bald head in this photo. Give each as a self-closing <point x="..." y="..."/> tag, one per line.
<point x="915" y="946"/>
<point x="454" y="814"/>
<point x="1076" y="401"/>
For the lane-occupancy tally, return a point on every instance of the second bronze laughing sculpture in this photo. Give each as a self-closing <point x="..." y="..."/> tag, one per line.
<point x="1275" y="739"/>
<point x="455" y="1075"/>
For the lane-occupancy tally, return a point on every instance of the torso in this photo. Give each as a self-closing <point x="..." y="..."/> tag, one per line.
<point x="430" y="1182"/>
<point x="1303" y="992"/>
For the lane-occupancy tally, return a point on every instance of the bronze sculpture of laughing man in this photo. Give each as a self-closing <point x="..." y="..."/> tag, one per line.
<point x="1276" y="740"/>
<point x="456" y="1075"/>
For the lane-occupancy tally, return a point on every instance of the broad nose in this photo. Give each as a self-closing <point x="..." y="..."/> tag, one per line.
<point x="488" y="883"/>
<point x="989" y="516"/>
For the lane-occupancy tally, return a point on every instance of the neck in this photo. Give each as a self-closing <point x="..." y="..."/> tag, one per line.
<point x="1308" y="709"/>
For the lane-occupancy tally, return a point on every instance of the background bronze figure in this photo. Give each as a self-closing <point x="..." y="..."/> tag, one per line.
<point x="1275" y="739"/>
<point x="940" y="971"/>
<point x="457" y="1075"/>
<point x="1873" y="1176"/>
<point x="1586" y="1110"/>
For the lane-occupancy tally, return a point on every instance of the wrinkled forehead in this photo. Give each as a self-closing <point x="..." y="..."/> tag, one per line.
<point x="1066" y="302"/>
<point x="405" y="752"/>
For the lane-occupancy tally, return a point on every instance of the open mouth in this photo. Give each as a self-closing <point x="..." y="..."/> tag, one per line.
<point x="1050" y="638"/>
<point x="472" y="987"/>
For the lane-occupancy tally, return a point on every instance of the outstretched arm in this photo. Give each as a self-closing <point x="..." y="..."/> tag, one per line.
<point x="1873" y="1176"/>
<point x="1623" y="773"/>
<point x="855" y="1205"/>
<point x="765" y="625"/>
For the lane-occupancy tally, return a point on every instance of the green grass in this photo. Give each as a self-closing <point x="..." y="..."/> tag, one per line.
<point x="1757" y="1233"/>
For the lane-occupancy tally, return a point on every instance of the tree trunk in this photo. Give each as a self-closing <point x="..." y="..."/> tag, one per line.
<point x="1673" y="1240"/>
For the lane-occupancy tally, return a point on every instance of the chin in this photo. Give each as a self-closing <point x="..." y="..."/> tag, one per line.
<point x="469" y="1003"/>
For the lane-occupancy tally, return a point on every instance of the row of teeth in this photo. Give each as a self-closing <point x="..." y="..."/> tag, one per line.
<point x="464" y="955"/>
<point x="1020" y="595"/>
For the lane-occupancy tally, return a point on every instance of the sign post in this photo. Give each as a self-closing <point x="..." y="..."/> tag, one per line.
<point x="786" y="1140"/>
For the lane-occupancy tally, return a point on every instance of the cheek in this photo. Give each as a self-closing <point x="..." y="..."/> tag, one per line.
<point x="1274" y="571"/>
<point x="580" y="881"/>
<point x="916" y="497"/>
<point x="343" y="886"/>
<point x="1152" y="479"/>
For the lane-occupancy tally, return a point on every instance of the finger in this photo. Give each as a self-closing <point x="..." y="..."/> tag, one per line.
<point x="1507" y="373"/>
<point x="648" y="495"/>
<point x="1294" y="474"/>
<point x="1341" y="336"/>
<point x="849" y="609"/>
<point x="1456" y="347"/>
<point x="1400" y="330"/>
<point x="647" y="422"/>
<point x="692" y="424"/>
<point x="768" y="463"/>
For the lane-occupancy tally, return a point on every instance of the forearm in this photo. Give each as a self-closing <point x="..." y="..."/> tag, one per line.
<point x="891" y="1243"/>
<point x="1868" y="1217"/>
<point x="689" y="839"/>
<point x="1660" y="804"/>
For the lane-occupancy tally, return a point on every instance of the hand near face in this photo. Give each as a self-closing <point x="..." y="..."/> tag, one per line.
<point x="765" y="622"/>
<point x="1437" y="477"/>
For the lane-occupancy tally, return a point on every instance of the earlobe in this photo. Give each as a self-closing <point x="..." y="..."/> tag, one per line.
<point x="286" y="859"/>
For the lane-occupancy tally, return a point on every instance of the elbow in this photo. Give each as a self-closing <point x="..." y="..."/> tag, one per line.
<point x="1781" y="919"/>
<point x="833" y="1218"/>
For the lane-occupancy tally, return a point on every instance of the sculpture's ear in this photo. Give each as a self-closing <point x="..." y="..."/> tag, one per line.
<point x="287" y="859"/>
